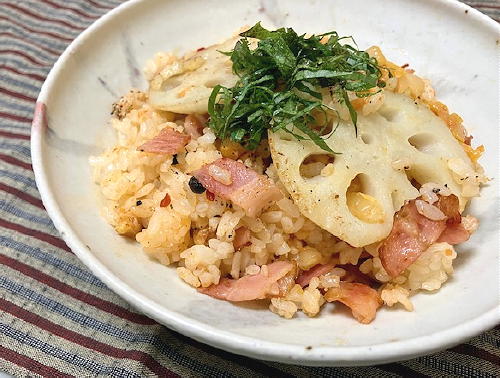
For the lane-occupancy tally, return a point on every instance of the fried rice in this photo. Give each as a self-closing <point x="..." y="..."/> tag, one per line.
<point x="149" y="198"/>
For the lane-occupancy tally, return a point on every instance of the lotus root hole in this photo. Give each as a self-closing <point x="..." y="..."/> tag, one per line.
<point x="313" y="165"/>
<point x="425" y="143"/>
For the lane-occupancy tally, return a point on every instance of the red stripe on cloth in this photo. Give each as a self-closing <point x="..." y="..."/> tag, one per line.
<point x="29" y="363"/>
<point x="73" y="292"/>
<point x="13" y="160"/>
<point x="8" y="134"/>
<point x="97" y="5"/>
<point x="47" y="238"/>
<point x="492" y="6"/>
<point x="74" y="10"/>
<point x="85" y="341"/>
<point x="48" y="34"/>
<point x="20" y="96"/>
<point x="25" y="40"/>
<point x="42" y="18"/>
<point x="15" y="117"/>
<point x="25" y="56"/>
<point x="22" y="195"/>
<point x="18" y="72"/>
<point x="473" y="351"/>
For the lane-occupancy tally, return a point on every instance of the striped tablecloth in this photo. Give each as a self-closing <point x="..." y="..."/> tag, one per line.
<point x="56" y="318"/>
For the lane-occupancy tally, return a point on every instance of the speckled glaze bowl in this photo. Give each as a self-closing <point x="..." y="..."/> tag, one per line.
<point x="446" y="41"/>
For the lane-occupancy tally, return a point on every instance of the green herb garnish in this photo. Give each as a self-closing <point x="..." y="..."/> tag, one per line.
<point x="279" y="83"/>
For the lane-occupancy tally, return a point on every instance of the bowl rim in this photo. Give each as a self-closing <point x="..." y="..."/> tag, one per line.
<point x="244" y="345"/>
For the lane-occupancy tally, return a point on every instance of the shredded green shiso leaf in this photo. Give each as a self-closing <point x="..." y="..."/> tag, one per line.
<point x="279" y="81"/>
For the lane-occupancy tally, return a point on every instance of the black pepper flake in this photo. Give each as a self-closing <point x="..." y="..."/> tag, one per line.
<point x="174" y="160"/>
<point x="436" y="190"/>
<point x="138" y="203"/>
<point x="196" y="186"/>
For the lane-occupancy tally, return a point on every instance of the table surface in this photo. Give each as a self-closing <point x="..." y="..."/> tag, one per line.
<point x="56" y="318"/>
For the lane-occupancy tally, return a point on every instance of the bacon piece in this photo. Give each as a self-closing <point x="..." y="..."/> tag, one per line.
<point x="241" y="238"/>
<point x="248" y="189"/>
<point x="306" y="276"/>
<point x="454" y="234"/>
<point x="412" y="233"/>
<point x="194" y="124"/>
<point x="247" y="288"/>
<point x="353" y="274"/>
<point x="360" y="298"/>
<point x="168" y="141"/>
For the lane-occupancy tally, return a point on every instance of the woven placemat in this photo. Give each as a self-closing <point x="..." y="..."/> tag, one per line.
<point x="56" y="318"/>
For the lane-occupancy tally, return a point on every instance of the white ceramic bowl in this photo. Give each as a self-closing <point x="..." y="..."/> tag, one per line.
<point x="446" y="41"/>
